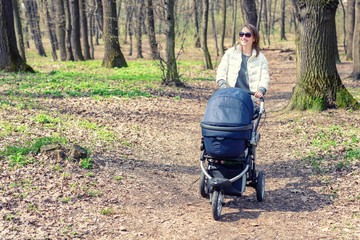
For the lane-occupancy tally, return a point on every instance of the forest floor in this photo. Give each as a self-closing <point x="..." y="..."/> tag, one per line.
<point x="147" y="187"/>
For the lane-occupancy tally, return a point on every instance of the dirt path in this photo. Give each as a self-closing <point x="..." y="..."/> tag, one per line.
<point x="158" y="197"/>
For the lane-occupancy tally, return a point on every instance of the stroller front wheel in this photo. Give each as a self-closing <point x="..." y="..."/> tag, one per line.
<point x="260" y="187"/>
<point x="217" y="203"/>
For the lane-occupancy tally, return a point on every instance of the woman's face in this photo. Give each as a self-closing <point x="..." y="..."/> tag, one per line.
<point x="246" y="37"/>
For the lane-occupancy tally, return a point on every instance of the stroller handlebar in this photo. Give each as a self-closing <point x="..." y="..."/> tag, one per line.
<point x="262" y="107"/>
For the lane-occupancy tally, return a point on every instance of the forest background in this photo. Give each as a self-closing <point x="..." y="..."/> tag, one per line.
<point x="134" y="107"/>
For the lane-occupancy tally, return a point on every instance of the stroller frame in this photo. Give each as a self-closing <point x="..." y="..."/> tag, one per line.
<point x="215" y="187"/>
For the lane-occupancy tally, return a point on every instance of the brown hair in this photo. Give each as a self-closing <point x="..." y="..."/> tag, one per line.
<point x="255" y="35"/>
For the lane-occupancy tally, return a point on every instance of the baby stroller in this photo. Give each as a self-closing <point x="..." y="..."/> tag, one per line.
<point x="228" y="147"/>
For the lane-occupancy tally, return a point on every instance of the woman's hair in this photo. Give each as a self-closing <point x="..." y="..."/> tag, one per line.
<point x="255" y="35"/>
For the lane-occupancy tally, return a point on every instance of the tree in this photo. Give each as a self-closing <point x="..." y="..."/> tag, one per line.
<point x="139" y="23"/>
<point x="356" y="43"/>
<point x="33" y="17"/>
<point x="283" y="37"/>
<point x="113" y="56"/>
<point x="214" y="26"/>
<point x="60" y="27"/>
<point x="223" y="29"/>
<point x="250" y="10"/>
<point x="234" y="22"/>
<point x="10" y="59"/>
<point x="318" y="83"/>
<point x="50" y="27"/>
<point x="204" y="35"/>
<point x="151" y="30"/>
<point x="75" y="30"/>
<point x="18" y="28"/>
<point x="172" y="75"/>
<point x="350" y="23"/>
<point x="196" y="22"/>
<point x="68" y="29"/>
<point x="84" y="30"/>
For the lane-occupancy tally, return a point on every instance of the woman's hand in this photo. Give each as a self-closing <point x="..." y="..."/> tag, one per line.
<point x="258" y="94"/>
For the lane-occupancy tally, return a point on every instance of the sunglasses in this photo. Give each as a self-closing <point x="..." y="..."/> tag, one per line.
<point x="247" y="34"/>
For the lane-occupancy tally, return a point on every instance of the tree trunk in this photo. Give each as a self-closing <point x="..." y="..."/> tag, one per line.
<point x="60" y="28"/>
<point x="151" y="30"/>
<point x="100" y="15"/>
<point x="356" y="43"/>
<point x="350" y="23"/>
<point x="204" y="37"/>
<point x="234" y="22"/>
<point x="318" y="83"/>
<point x="266" y="22"/>
<point x="283" y="37"/>
<point x="18" y="28"/>
<point x="172" y="75"/>
<point x="84" y="30"/>
<point x="50" y="26"/>
<point x="91" y="29"/>
<point x="68" y="30"/>
<point x="113" y="56"/>
<point x="222" y="44"/>
<point x="196" y="22"/>
<point x="75" y="32"/>
<point x="138" y="32"/>
<point x="250" y="10"/>
<point x="31" y="9"/>
<point x="214" y="27"/>
<point x="10" y="59"/>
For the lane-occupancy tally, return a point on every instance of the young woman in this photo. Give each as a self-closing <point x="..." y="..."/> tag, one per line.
<point x="243" y="65"/>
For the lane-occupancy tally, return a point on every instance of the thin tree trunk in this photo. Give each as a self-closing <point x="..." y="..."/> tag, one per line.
<point x="251" y="12"/>
<point x="138" y="32"/>
<point x="222" y="44"/>
<point x="283" y="37"/>
<point x="214" y="27"/>
<point x="10" y="59"/>
<point x="350" y="23"/>
<point x="31" y="9"/>
<point x="68" y="30"/>
<point x="356" y="43"/>
<point x="196" y="22"/>
<point x="75" y="32"/>
<point x="100" y="15"/>
<point x="50" y="31"/>
<point x="84" y="30"/>
<point x="151" y="30"/>
<point x="234" y="22"/>
<point x="18" y="29"/>
<point x="60" y="28"/>
<point x="91" y="29"/>
<point x="204" y="37"/>
<point x="113" y="56"/>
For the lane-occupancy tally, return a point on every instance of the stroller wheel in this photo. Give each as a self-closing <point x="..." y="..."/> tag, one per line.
<point x="217" y="203"/>
<point x="203" y="186"/>
<point x="260" y="187"/>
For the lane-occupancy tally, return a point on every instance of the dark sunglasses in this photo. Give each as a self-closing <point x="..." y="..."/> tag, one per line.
<point x="247" y="34"/>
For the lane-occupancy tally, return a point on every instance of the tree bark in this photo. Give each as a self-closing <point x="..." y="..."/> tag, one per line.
<point x="356" y="43"/>
<point x="196" y="22"/>
<point x="214" y="27"/>
<point x="68" y="30"/>
<point x="172" y="75"/>
<point x="84" y="30"/>
<point x="250" y="10"/>
<point x="60" y="28"/>
<point x="31" y="9"/>
<point x="283" y="37"/>
<point x="318" y="83"/>
<point x="113" y="56"/>
<point x="151" y="30"/>
<point x="138" y="32"/>
<point x="75" y="32"/>
<point x="18" y="29"/>
<point x="10" y="59"/>
<point x="350" y="23"/>
<point x="234" y="22"/>
<point x="50" y="26"/>
<point x="204" y="35"/>
<point x="222" y="44"/>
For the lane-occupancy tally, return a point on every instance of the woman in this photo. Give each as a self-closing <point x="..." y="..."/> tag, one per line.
<point x="244" y="66"/>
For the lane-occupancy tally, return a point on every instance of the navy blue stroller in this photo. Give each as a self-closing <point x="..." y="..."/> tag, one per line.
<point x="228" y="147"/>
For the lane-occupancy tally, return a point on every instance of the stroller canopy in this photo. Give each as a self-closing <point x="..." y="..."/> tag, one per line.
<point x="230" y="107"/>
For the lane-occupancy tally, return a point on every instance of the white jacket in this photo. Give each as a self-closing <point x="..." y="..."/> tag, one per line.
<point x="257" y="68"/>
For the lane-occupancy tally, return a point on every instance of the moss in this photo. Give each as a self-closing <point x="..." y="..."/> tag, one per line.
<point x="345" y="100"/>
